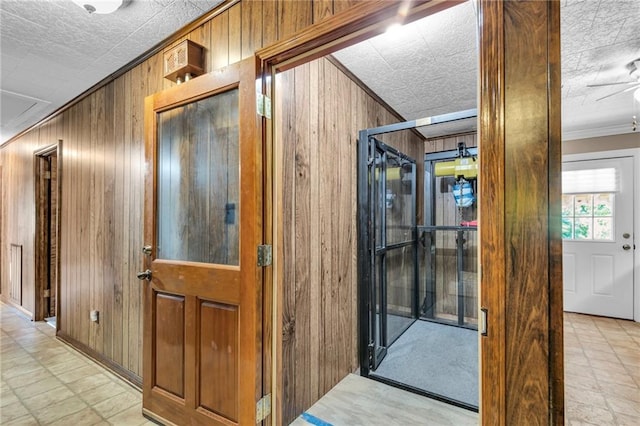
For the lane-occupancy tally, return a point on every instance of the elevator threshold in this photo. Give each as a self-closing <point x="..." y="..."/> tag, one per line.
<point x="357" y="400"/>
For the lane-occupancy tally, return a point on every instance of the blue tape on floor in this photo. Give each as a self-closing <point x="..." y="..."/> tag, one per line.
<point x="310" y="418"/>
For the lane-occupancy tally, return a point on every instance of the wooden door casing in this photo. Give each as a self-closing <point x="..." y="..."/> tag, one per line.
<point x="202" y="321"/>
<point x="520" y="228"/>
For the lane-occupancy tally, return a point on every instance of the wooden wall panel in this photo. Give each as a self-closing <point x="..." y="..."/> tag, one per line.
<point x="18" y="207"/>
<point x="15" y="274"/>
<point x="3" y="202"/>
<point x="318" y="137"/>
<point x="293" y="16"/>
<point x="102" y="188"/>
<point x="97" y="219"/>
<point x="251" y="33"/>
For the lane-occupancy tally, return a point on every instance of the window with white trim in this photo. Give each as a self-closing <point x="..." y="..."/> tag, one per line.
<point x="588" y="216"/>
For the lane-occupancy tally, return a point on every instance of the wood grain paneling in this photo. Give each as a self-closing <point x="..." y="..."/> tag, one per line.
<point x="15" y="274"/>
<point x="519" y="133"/>
<point x="556" y="318"/>
<point x="101" y="187"/>
<point x="170" y="343"/>
<point x="3" y="202"/>
<point x="101" y="197"/>
<point x="320" y="111"/>
<point x="526" y="209"/>
<point x="491" y="210"/>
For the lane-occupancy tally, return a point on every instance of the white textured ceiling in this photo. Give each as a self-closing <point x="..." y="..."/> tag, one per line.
<point x="429" y="67"/>
<point x="598" y="39"/>
<point x="425" y="68"/>
<point x="52" y="50"/>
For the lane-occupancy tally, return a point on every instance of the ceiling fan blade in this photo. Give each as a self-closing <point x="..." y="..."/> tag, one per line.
<point x="612" y="84"/>
<point x="628" y="89"/>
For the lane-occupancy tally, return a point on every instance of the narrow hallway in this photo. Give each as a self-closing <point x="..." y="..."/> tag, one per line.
<point x="44" y="381"/>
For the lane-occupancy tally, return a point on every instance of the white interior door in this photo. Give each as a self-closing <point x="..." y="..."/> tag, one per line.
<point x="598" y="239"/>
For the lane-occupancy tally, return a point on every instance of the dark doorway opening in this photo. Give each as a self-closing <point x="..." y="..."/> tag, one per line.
<point x="47" y="193"/>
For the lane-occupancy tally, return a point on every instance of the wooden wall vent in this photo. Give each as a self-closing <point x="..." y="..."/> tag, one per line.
<point x="183" y="61"/>
<point x="15" y="274"/>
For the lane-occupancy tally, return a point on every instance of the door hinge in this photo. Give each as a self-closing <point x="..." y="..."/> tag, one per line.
<point x="46" y="293"/>
<point x="264" y="255"/>
<point x="263" y="105"/>
<point x="47" y="175"/>
<point x="263" y="408"/>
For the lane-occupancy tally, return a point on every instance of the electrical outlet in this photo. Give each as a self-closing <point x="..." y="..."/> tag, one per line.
<point x="94" y="315"/>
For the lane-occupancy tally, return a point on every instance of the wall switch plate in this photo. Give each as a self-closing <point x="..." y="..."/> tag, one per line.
<point x="94" y="315"/>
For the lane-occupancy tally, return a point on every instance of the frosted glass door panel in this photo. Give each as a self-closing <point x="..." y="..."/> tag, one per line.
<point x="198" y="181"/>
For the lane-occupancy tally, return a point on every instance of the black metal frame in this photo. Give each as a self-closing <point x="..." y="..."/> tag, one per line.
<point x="366" y="253"/>
<point x="429" y="192"/>
<point x="422" y="392"/>
<point x="377" y="330"/>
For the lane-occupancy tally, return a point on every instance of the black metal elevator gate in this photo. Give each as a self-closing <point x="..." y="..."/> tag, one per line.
<point x="392" y="245"/>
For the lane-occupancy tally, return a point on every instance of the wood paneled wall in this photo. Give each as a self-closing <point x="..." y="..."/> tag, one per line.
<point x="101" y="199"/>
<point x="102" y="182"/>
<point x="319" y="111"/>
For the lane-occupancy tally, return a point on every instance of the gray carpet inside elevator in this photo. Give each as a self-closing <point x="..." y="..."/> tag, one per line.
<point x="437" y="358"/>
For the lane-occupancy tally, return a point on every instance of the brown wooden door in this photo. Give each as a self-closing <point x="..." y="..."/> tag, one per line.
<point x="203" y="221"/>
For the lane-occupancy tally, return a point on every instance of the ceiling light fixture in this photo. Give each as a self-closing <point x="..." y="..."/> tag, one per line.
<point x="99" y="6"/>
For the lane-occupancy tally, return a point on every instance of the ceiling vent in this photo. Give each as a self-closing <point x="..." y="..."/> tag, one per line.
<point x="183" y="61"/>
<point x="18" y="109"/>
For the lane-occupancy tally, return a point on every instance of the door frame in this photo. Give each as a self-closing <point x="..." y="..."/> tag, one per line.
<point x="40" y="245"/>
<point x="635" y="154"/>
<point x="504" y="27"/>
<point x="360" y="22"/>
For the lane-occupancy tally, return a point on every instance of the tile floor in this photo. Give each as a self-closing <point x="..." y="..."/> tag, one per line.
<point x="602" y="371"/>
<point x="44" y="381"/>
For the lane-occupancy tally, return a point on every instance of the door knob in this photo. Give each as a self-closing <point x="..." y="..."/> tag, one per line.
<point x="144" y="275"/>
<point x="626" y="247"/>
<point x="146" y="250"/>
